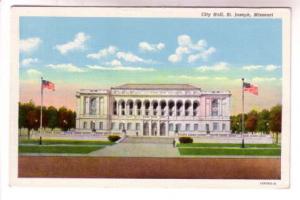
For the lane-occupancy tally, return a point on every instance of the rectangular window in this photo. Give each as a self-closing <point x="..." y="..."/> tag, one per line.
<point x="84" y="125"/>
<point x="101" y="125"/>
<point x="171" y="127"/>
<point x="187" y="127"/>
<point x="207" y="128"/>
<point x="215" y="126"/>
<point x="137" y="126"/>
<point x="223" y="127"/>
<point x="112" y="126"/>
<point x="177" y="127"/>
<point x="121" y="126"/>
<point x="195" y="127"/>
<point x="129" y="126"/>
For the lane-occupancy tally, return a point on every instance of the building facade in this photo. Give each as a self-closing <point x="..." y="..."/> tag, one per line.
<point x="164" y="110"/>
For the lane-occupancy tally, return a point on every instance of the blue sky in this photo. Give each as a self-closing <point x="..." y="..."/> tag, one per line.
<point x="103" y="52"/>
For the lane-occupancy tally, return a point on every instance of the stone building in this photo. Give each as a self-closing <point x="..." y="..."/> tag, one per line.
<point x="153" y="110"/>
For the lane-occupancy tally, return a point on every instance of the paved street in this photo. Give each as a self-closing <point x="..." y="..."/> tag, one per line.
<point x="140" y="147"/>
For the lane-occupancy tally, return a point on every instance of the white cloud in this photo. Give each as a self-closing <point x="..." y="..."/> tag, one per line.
<point x="145" y="46"/>
<point x="272" y="67"/>
<point x="263" y="79"/>
<point x="30" y="44"/>
<point x="221" y="78"/>
<point x="201" y="55"/>
<point x="28" y="61"/>
<point x="33" y="73"/>
<point x="252" y="67"/>
<point x="66" y="67"/>
<point x="120" y="68"/>
<point x="78" y="43"/>
<point x="260" y="67"/>
<point x="129" y="57"/>
<point x="110" y="50"/>
<point x="222" y="66"/>
<point x="195" y="51"/>
<point x="114" y="62"/>
<point x="187" y="77"/>
<point x="184" y="40"/>
<point x="174" y="58"/>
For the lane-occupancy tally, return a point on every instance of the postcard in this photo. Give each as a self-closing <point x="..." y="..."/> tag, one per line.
<point x="150" y="97"/>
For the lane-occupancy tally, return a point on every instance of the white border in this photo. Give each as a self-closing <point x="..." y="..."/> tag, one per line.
<point x="283" y="14"/>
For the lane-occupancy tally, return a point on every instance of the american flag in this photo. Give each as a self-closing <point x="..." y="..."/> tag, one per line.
<point x="250" y="88"/>
<point x="47" y="84"/>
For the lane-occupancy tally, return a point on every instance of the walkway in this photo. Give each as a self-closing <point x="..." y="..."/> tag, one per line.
<point x="140" y="147"/>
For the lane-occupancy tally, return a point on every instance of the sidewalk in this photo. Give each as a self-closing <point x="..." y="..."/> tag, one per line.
<point x="137" y="150"/>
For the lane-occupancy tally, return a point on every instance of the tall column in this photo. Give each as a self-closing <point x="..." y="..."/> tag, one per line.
<point x="134" y="108"/>
<point x="158" y="128"/>
<point x="174" y="110"/>
<point x="158" y="109"/>
<point x="98" y="105"/>
<point x="126" y="109"/>
<point x="119" y="108"/>
<point x="82" y="105"/>
<point x="150" y="127"/>
<point x="143" y="109"/>
<point x="142" y="128"/>
<point x="182" y="109"/>
<point x="219" y="107"/>
<point x="167" y="128"/>
<point x="191" y="110"/>
<point x="151" y="109"/>
<point x="87" y="105"/>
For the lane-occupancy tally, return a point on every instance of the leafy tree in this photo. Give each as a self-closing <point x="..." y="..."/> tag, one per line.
<point x="275" y="120"/>
<point x="235" y="124"/>
<point x="63" y="118"/>
<point x="52" y="115"/>
<point x="263" y="124"/>
<point x="251" y="121"/>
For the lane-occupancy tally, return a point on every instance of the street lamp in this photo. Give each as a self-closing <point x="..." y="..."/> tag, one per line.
<point x="267" y="127"/>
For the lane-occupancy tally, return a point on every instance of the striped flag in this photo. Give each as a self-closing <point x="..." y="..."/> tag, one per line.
<point x="250" y="88"/>
<point x="47" y="84"/>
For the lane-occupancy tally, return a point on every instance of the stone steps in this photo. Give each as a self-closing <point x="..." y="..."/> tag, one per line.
<point x="148" y="140"/>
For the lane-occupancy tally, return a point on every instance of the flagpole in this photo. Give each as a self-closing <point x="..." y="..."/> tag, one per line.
<point x="41" y="115"/>
<point x="243" y="117"/>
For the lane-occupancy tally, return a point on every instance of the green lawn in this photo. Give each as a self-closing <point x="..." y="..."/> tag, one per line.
<point x="68" y="142"/>
<point x="212" y="151"/>
<point x="228" y="145"/>
<point x="58" y="149"/>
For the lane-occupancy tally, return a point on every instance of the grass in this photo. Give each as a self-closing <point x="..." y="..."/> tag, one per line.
<point x="211" y="151"/>
<point x="58" y="149"/>
<point x="228" y="145"/>
<point x="68" y="142"/>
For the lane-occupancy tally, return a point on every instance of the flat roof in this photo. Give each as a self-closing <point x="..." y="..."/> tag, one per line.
<point x="157" y="86"/>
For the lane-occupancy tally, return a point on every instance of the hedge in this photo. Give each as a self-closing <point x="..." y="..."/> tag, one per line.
<point x="113" y="138"/>
<point x="185" y="139"/>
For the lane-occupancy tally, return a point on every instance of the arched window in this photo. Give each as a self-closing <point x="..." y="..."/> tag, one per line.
<point x="93" y="106"/>
<point x="214" y="107"/>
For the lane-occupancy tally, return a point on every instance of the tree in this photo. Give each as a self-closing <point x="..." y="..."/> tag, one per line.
<point x="32" y="120"/>
<point x="275" y="120"/>
<point x="63" y="117"/>
<point x="52" y="115"/>
<point x="235" y="124"/>
<point x="251" y="122"/>
<point x="263" y="124"/>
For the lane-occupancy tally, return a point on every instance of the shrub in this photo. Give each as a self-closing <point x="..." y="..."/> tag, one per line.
<point x="113" y="138"/>
<point x="185" y="139"/>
